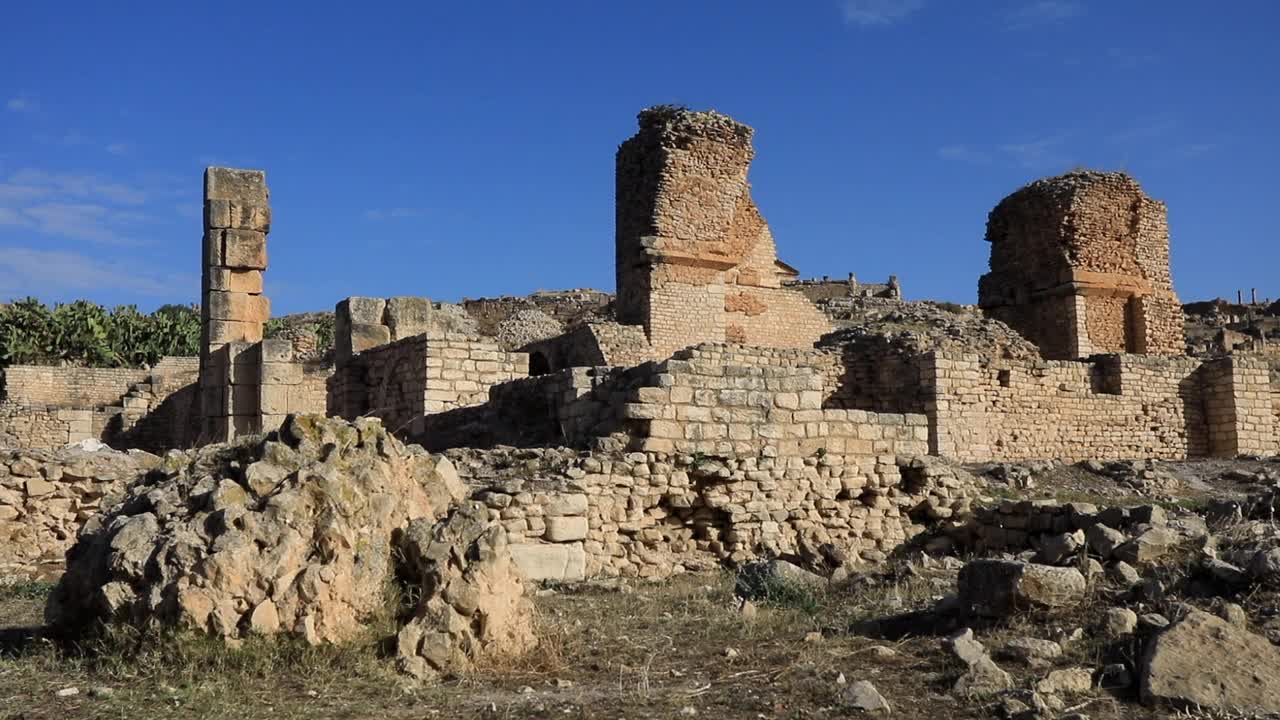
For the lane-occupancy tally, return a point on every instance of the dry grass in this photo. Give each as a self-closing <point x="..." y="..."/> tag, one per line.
<point x="650" y="651"/>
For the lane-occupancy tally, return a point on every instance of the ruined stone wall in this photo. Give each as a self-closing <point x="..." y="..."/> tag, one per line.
<point x="406" y="380"/>
<point x="695" y="260"/>
<point x="648" y="514"/>
<point x="48" y="407"/>
<point x="590" y="345"/>
<point x="1080" y="265"/>
<point x="1240" y="415"/>
<point x="1121" y="406"/>
<point x="46" y="496"/>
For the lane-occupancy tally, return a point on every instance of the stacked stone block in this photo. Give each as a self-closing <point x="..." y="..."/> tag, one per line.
<point x="237" y="218"/>
<point x="404" y="381"/>
<point x="1239" y="407"/>
<point x="362" y="323"/>
<point x="1080" y="265"/>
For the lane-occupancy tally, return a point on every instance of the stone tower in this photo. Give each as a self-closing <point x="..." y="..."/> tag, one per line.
<point x="1080" y="265"/>
<point x="695" y="260"/>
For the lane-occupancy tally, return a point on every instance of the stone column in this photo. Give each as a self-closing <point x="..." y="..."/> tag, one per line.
<point x="233" y="310"/>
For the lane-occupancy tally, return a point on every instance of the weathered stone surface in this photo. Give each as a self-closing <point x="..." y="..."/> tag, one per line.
<point x="244" y="249"/>
<point x="863" y="696"/>
<point x="239" y="281"/>
<point x="550" y="562"/>
<point x="1067" y="681"/>
<point x="406" y="316"/>
<point x="306" y="525"/>
<point x="1148" y="547"/>
<point x="1001" y="587"/>
<point x="475" y="604"/>
<point x="242" y="186"/>
<point x="1118" y="622"/>
<point x="239" y="306"/>
<point x="566" y="529"/>
<point x="1203" y="660"/>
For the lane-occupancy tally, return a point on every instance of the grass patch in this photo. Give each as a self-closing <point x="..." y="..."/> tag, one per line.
<point x="26" y="590"/>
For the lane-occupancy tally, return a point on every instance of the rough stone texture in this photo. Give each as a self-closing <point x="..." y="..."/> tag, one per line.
<point x="46" y="496"/>
<point x="290" y="534"/>
<point x="473" y="594"/>
<point x="1204" y="660"/>
<point x="998" y="588"/>
<point x="1080" y="265"/>
<point x="695" y="259"/>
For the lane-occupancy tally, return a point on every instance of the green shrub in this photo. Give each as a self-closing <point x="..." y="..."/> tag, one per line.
<point x="85" y="333"/>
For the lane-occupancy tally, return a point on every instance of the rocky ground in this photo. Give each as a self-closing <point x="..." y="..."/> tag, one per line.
<point x="1130" y="590"/>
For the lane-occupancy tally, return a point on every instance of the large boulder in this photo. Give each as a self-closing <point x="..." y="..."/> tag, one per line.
<point x="1202" y="660"/>
<point x="999" y="588"/>
<point x="473" y="601"/>
<point x="288" y="534"/>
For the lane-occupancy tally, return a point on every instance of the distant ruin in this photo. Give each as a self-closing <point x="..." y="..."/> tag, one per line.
<point x="1080" y="266"/>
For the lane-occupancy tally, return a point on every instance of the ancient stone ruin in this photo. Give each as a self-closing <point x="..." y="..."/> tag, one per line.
<point x="711" y="412"/>
<point x="1080" y="266"/>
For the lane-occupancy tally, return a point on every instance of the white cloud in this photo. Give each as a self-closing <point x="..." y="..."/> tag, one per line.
<point x="964" y="153"/>
<point x="82" y="221"/>
<point x="1041" y="12"/>
<point x="394" y="214"/>
<point x="1038" y="153"/>
<point x="21" y="104"/>
<point x="878" y="13"/>
<point x="32" y="271"/>
<point x="79" y="185"/>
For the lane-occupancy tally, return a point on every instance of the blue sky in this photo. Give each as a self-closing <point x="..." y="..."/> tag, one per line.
<point x="455" y="150"/>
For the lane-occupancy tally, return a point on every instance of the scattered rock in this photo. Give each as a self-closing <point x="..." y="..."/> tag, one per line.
<point x="68" y="692"/>
<point x="1032" y="651"/>
<point x="1148" y="547"/>
<point x="1119" y="622"/>
<point x="1068" y="681"/>
<point x="1104" y="540"/>
<point x="1204" y="660"/>
<point x="998" y="588"/>
<point x="1124" y="574"/>
<point x="862" y="695"/>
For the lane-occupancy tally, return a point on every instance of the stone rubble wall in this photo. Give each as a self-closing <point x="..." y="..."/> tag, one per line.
<point x="1018" y="525"/>
<point x="46" y="496"/>
<point x="575" y="514"/>
<point x="362" y="323"/>
<point x="591" y="344"/>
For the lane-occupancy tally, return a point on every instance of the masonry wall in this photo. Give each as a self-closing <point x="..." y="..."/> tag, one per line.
<point x="572" y="515"/>
<point x="695" y="259"/>
<point x="1121" y="406"/>
<point x="404" y="381"/>
<point x="50" y="406"/>
<point x="1080" y="265"/>
<point x="1240" y="415"/>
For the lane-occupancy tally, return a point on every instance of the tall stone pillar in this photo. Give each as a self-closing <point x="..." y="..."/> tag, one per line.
<point x="233" y="310"/>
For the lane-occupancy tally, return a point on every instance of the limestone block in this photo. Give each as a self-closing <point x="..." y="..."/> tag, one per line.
<point x="245" y="186"/>
<point x="566" y="504"/>
<point x="364" y="310"/>
<point x="408" y="316"/>
<point x="540" y="561"/>
<point x="244" y="249"/>
<point x="273" y="399"/>
<point x="238" y="306"/>
<point x="228" y="280"/>
<point x="212" y="248"/>
<point x="566" y="529"/>
<point x="217" y="213"/>
<point x="364" y="336"/>
<point x="225" y="331"/>
<point x="281" y="373"/>
<point x="248" y="216"/>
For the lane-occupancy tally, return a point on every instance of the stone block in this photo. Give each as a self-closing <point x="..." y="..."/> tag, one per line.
<point x="361" y="310"/>
<point x="228" y="280"/>
<point x="240" y="307"/>
<point x="217" y="213"/>
<point x="245" y="186"/>
<point x="408" y="316"/>
<point x="247" y="216"/>
<point x="212" y="248"/>
<point x="225" y="331"/>
<point x="566" y="529"/>
<point x="540" y="561"/>
<point x="275" y="351"/>
<point x="244" y="249"/>
<point x="281" y="373"/>
<point x="273" y="399"/>
<point x="364" y="336"/>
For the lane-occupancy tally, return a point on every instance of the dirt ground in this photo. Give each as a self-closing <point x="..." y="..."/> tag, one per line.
<point x="662" y="650"/>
